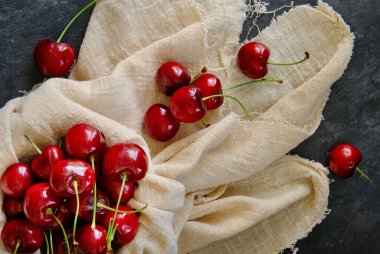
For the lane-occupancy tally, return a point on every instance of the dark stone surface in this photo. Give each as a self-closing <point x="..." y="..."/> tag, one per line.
<point x="351" y="115"/>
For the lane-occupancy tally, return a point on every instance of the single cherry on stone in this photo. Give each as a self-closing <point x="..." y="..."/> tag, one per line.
<point x="171" y="76"/>
<point x="22" y="236"/>
<point x="16" y="179"/>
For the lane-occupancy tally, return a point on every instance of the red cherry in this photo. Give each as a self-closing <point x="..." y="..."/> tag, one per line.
<point x="112" y="189"/>
<point x="127" y="224"/>
<point x="187" y="105"/>
<point x="159" y="123"/>
<point x="91" y="240"/>
<point x="66" y="172"/>
<point x="252" y="59"/>
<point x="209" y="85"/>
<point x="16" y="180"/>
<point x="343" y="160"/>
<point x="42" y="164"/>
<point x="54" y="59"/>
<point x="84" y="140"/>
<point x="59" y="243"/>
<point x="171" y="76"/>
<point x="86" y="206"/>
<point x="125" y="159"/>
<point x="63" y="214"/>
<point x="22" y="236"/>
<point x="38" y="199"/>
<point x="13" y="208"/>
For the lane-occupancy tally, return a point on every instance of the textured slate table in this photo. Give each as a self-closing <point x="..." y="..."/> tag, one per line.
<point x="351" y="115"/>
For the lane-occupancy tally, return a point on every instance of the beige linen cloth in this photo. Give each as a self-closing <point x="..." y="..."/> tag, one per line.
<point x="229" y="188"/>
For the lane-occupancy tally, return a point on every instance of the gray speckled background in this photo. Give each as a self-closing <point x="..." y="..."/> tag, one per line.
<point x="351" y="115"/>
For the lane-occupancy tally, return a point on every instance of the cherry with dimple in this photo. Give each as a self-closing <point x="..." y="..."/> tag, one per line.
<point x="112" y="189"/>
<point x="91" y="240"/>
<point x="344" y="160"/>
<point x="16" y="180"/>
<point x="171" y="76"/>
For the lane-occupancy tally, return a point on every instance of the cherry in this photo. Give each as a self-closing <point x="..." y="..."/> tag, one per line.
<point x="16" y="180"/>
<point x="13" y="208"/>
<point x="159" y="123"/>
<point x="22" y="236"/>
<point x="187" y="105"/>
<point x="209" y="85"/>
<point x="91" y="240"/>
<point x="253" y="61"/>
<point x="125" y="160"/>
<point x="344" y="159"/>
<point x="171" y="76"/>
<point x="112" y="189"/>
<point x="59" y="242"/>
<point x="86" y="206"/>
<point x="84" y="140"/>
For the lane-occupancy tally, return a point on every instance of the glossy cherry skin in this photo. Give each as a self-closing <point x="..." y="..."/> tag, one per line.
<point x="209" y="85"/>
<point x="42" y="164"/>
<point x="86" y="206"/>
<point x="128" y="225"/>
<point x="65" y="172"/>
<point x="59" y="243"/>
<point x="171" y="76"/>
<point x="186" y="104"/>
<point x="31" y="237"/>
<point x="83" y="140"/>
<point x="16" y="180"/>
<point x="37" y="200"/>
<point x="125" y="158"/>
<point x="13" y="208"/>
<point x="112" y="189"/>
<point x="159" y="123"/>
<point x="252" y="59"/>
<point x="91" y="241"/>
<point x="344" y="159"/>
<point x="54" y="59"/>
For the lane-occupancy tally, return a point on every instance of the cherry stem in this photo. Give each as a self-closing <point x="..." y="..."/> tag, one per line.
<point x="307" y="55"/>
<point x="60" y="142"/>
<point x="47" y="243"/>
<point x="34" y="145"/>
<point x="206" y="124"/>
<point x="228" y="96"/>
<point x="254" y="81"/>
<point x="51" y="242"/>
<point x="204" y="70"/>
<point x="75" y="17"/>
<point x="363" y="174"/>
<point x="17" y="246"/>
<point x="49" y="211"/>
<point x="75" y="185"/>
<point x="95" y="203"/>
<point x="101" y="205"/>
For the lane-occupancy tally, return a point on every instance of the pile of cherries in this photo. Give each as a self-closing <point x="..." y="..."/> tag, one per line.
<point x="73" y="199"/>
<point x="191" y="99"/>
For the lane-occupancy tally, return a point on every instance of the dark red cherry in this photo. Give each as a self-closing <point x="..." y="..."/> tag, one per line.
<point x="66" y="172"/>
<point x="59" y="243"/>
<point x="159" y="123"/>
<point x="91" y="240"/>
<point x="127" y="225"/>
<point x="86" y="206"/>
<point x="13" y="208"/>
<point x="23" y="235"/>
<point x="171" y="76"/>
<point x="42" y="164"/>
<point x="112" y="189"/>
<point x="84" y="140"/>
<point x="252" y="59"/>
<point x="187" y="105"/>
<point x="54" y="59"/>
<point x="125" y="159"/>
<point x="16" y="180"/>
<point x="209" y="85"/>
<point x="343" y="160"/>
<point x="38" y="199"/>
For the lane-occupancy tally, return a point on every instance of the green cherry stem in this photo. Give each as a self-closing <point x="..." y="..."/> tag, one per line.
<point x="100" y="205"/>
<point x="230" y="97"/>
<point x="205" y="123"/>
<point x="17" y="246"/>
<point x="253" y="81"/>
<point x="51" y="242"/>
<point x="363" y="174"/>
<point x="75" y="185"/>
<point x="75" y="17"/>
<point x="47" y="243"/>
<point x="49" y="211"/>
<point x="60" y="142"/>
<point x="34" y="145"/>
<point x="307" y="55"/>
<point x="204" y="70"/>
<point x="92" y="160"/>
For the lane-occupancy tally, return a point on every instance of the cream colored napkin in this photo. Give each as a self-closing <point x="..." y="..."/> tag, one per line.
<point x="225" y="189"/>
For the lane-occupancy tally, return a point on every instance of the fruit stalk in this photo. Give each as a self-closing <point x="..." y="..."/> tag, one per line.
<point x="49" y="211"/>
<point x="231" y="97"/>
<point x="253" y="81"/>
<point x="307" y="55"/>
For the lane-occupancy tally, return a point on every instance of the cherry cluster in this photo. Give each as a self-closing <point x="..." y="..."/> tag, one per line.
<point x="73" y="198"/>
